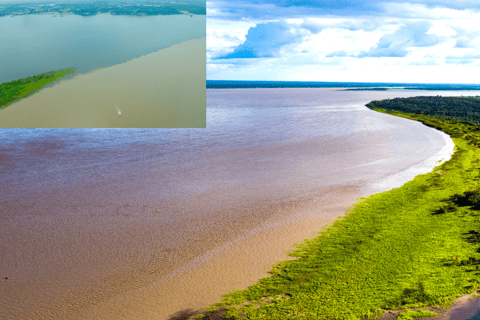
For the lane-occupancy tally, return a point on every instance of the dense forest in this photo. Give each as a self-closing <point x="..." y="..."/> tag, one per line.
<point x="462" y="109"/>
<point x="458" y="116"/>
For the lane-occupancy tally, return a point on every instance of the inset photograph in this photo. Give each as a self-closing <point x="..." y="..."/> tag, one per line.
<point x="101" y="64"/>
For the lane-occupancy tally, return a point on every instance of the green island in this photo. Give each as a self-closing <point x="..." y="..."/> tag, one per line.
<point x="398" y="251"/>
<point x="16" y="90"/>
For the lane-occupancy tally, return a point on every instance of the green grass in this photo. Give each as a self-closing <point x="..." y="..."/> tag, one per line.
<point x="410" y="315"/>
<point x="14" y="91"/>
<point x="410" y="247"/>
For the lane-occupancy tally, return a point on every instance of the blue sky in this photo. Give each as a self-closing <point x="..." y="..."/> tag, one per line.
<point x="344" y="40"/>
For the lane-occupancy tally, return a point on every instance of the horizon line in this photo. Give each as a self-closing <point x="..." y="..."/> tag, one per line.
<point x="407" y="83"/>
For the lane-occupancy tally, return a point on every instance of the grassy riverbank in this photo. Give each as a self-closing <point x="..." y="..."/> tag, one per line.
<point x="13" y="91"/>
<point x="414" y="246"/>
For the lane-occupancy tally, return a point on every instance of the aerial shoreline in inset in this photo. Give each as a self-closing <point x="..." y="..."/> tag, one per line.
<point x="161" y="89"/>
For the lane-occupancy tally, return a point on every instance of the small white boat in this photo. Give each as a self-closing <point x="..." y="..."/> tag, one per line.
<point x="119" y="112"/>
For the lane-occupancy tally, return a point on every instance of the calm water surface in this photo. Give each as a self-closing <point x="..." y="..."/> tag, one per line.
<point x="264" y="120"/>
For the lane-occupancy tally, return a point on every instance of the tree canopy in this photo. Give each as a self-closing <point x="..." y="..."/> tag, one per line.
<point x="462" y="109"/>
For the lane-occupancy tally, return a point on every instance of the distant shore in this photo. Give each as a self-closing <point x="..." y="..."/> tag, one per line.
<point x="340" y="86"/>
<point x="87" y="9"/>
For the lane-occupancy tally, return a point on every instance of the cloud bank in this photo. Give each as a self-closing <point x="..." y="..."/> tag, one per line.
<point x="338" y="41"/>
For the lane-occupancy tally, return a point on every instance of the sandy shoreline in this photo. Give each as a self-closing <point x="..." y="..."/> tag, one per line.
<point x="164" y="89"/>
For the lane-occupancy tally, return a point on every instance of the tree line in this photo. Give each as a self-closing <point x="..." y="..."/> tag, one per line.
<point x="460" y="109"/>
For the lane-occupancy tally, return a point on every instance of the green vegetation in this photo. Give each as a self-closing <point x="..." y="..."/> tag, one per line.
<point x="461" y="109"/>
<point x="410" y="315"/>
<point x="411" y="247"/>
<point x="13" y="91"/>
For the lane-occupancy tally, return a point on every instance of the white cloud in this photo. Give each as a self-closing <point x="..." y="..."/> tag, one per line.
<point x="211" y="9"/>
<point x="295" y="21"/>
<point x="432" y="49"/>
<point x="223" y="36"/>
<point x="420" y="11"/>
<point x="442" y="30"/>
<point x="336" y="40"/>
